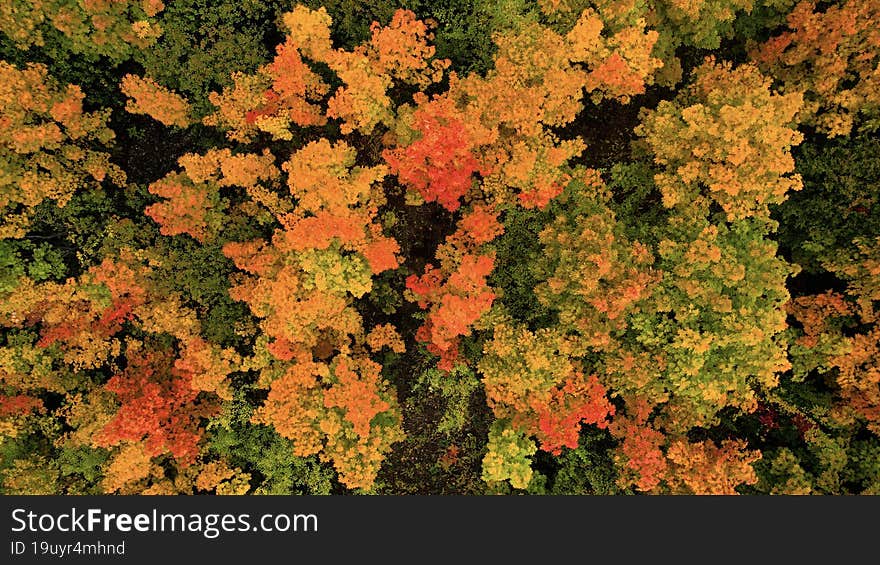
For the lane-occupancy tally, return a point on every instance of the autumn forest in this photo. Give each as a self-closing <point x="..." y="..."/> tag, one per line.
<point x="466" y="247"/>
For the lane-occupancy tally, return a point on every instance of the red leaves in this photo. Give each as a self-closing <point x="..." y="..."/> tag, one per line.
<point x="158" y="406"/>
<point x="579" y="400"/>
<point x="439" y="165"/>
<point x="457" y="294"/>
<point x="19" y="404"/>
<point x="455" y="305"/>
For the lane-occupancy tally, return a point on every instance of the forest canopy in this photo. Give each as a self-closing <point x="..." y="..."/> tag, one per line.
<point x="408" y="247"/>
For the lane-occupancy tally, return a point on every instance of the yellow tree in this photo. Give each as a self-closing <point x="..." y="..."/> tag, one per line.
<point x="49" y="147"/>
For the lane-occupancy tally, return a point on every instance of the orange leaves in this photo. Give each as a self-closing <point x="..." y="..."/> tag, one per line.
<point x="321" y="176"/>
<point x="579" y="400"/>
<point x="317" y="232"/>
<point x="455" y="305"/>
<point x="685" y="467"/>
<point x="207" y="366"/>
<point x="235" y="104"/>
<point x="704" y="468"/>
<point x="281" y="94"/>
<point x="335" y="410"/>
<point x="639" y="455"/>
<point x="19" y="404"/>
<point x="594" y="275"/>
<point x="451" y="314"/>
<point x="401" y="50"/>
<point x="288" y="93"/>
<point x="457" y="294"/>
<point x="193" y="205"/>
<point x="832" y="57"/>
<point x="385" y="335"/>
<point x="324" y="255"/>
<point x="481" y="225"/>
<point x="397" y="52"/>
<point x="620" y="63"/>
<point x="188" y="208"/>
<point x="355" y="392"/>
<point x="325" y="395"/>
<point x="295" y="405"/>
<point x="293" y="86"/>
<point x="148" y="97"/>
<point x="816" y="314"/>
<point x="840" y="336"/>
<point x="382" y="254"/>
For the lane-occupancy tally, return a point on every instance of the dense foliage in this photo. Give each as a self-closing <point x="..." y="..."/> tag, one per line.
<point x="497" y="246"/>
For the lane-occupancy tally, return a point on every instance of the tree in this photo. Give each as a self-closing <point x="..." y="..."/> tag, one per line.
<point x="114" y="29"/>
<point x="456" y="294"/>
<point x="49" y="147"/>
<point x="148" y="97"/>
<point x="830" y="56"/>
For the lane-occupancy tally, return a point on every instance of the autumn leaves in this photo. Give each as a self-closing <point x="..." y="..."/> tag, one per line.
<point x="652" y="332"/>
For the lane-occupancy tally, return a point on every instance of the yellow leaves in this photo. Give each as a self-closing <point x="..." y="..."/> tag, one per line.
<point x="730" y="132"/>
<point x="310" y="30"/>
<point x="520" y="367"/>
<point x="585" y="37"/>
<point x="693" y="340"/>
<point x="334" y="273"/>
<point x="507" y="457"/>
<point x="46" y="144"/>
<point x="129" y="465"/>
<point x="217" y="476"/>
<point x="148" y="97"/>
